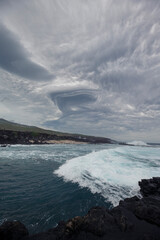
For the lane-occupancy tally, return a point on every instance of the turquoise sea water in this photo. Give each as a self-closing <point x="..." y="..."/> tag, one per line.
<point x="43" y="184"/>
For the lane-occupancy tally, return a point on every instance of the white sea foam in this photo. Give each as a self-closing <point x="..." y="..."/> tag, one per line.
<point x="114" y="173"/>
<point x="138" y="143"/>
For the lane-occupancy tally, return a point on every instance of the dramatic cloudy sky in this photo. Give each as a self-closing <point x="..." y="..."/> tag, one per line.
<point x="85" y="66"/>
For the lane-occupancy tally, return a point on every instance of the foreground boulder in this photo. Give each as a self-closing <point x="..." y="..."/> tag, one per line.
<point x="133" y="219"/>
<point x="12" y="230"/>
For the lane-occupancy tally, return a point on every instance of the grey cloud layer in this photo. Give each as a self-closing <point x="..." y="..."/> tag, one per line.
<point x="105" y="56"/>
<point x="14" y="58"/>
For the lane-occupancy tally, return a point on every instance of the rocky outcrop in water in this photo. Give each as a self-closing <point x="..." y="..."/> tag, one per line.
<point x="132" y="219"/>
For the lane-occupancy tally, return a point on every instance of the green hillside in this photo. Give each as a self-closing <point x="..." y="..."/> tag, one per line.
<point x="38" y="132"/>
<point x="7" y="125"/>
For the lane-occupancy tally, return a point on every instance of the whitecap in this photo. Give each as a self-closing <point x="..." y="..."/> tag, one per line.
<point x="113" y="173"/>
<point x="137" y="143"/>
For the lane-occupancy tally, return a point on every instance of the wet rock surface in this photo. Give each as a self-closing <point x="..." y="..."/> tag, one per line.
<point x="133" y="218"/>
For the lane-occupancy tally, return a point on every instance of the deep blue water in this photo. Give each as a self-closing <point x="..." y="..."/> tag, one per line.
<point x="43" y="184"/>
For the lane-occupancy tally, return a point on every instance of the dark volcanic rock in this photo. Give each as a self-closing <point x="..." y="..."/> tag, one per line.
<point x="12" y="230"/>
<point x="150" y="186"/>
<point x="149" y="210"/>
<point x="133" y="219"/>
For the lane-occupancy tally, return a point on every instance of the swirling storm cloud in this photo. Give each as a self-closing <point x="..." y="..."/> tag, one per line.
<point x="90" y="67"/>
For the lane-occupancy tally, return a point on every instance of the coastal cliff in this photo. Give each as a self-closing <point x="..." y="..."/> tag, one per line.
<point x="134" y="218"/>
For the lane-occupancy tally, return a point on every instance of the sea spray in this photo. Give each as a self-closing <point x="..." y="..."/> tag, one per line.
<point x="113" y="173"/>
<point x="137" y="143"/>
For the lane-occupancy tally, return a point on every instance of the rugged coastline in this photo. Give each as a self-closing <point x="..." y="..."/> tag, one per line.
<point x="134" y="218"/>
<point x="21" y="137"/>
<point x="14" y="133"/>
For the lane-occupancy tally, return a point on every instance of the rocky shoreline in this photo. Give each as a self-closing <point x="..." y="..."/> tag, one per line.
<point x="20" y="137"/>
<point x="133" y="219"/>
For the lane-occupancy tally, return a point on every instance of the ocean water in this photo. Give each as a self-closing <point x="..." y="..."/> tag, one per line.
<point x="41" y="185"/>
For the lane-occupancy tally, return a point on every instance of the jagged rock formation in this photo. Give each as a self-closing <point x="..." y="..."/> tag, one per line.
<point x="133" y="219"/>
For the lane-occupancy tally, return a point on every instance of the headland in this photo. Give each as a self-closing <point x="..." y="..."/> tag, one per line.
<point x="13" y="133"/>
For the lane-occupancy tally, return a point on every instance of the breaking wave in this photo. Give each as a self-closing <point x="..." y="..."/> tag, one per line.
<point x="138" y="143"/>
<point x="113" y="173"/>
